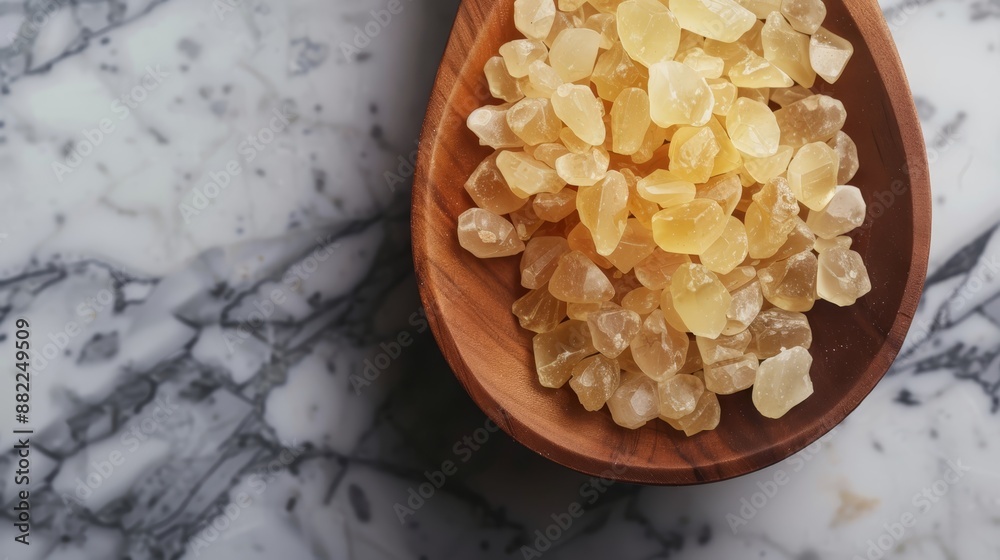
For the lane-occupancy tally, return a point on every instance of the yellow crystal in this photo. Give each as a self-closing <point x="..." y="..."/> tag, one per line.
<point x="578" y="280"/>
<point x="756" y="72"/>
<point x="582" y="112"/>
<point x="689" y="228"/>
<point x="489" y="189"/>
<point x="753" y="128"/>
<point x="613" y="328"/>
<point x="502" y="84"/>
<point x="580" y="239"/>
<point x="843" y="277"/>
<point x="847" y="150"/>
<point x="845" y="212"/>
<point x="659" y="349"/>
<point x="544" y="81"/>
<point x="776" y="330"/>
<point x="538" y="263"/>
<point x="538" y="311"/>
<point x="724" y="189"/>
<point x="594" y="380"/>
<point x="724" y="95"/>
<point x="739" y="277"/>
<point x="520" y="53"/>
<point x="490" y="125"/>
<point x="534" y="121"/>
<point x="787" y="49"/>
<point x="558" y="351"/>
<point x="635" y="402"/>
<point x="812" y="174"/>
<point x="721" y="20"/>
<point x="746" y="305"/>
<point x="791" y="284"/>
<point x="615" y="71"/>
<point x="678" y="95"/>
<point x="555" y="207"/>
<point x="603" y="209"/>
<point x="606" y="25"/>
<point x="636" y="244"/>
<point x="534" y="18"/>
<point x="649" y="31"/>
<point x="679" y="396"/>
<point x="656" y="271"/>
<point x="580" y="311"/>
<point x="653" y="141"/>
<point x="692" y="153"/>
<point x="527" y="176"/>
<point x="700" y="299"/>
<point x="821" y="245"/>
<point x="525" y="221"/>
<point x="731" y="376"/>
<point x="829" y="54"/>
<point x="786" y="96"/>
<point x="670" y="314"/>
<point x="583" y="170"/>
<point x="487" y="235"/>
<point x="706" y="65"/>
<point x="665" y="189"/>
<point x="574" y="53"/>
<point x="816" y="118"/>
<point x="761" y="8"/>
<point x="548" y="153"/>
<point x="783" y="382"/>
<point x="805" y="16"/>
<point x="642" y="300"/>
<point x="729" y="250"/>
<point x="767" y="168"/>
<point x="629" y="120"/>
<point x="723" y="348"/>
<point x="706" y="416"/>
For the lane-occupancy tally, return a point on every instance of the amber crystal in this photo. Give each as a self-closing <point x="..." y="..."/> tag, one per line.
<point x="659" y="349"/>
<point x="783" y="382"/>
<point x="613" y="328"/>
<point x="678" y="95"/>
<point x="489" y="189"/>
<point x="578" y="280"/>
<point x="558" y="351"/>
<point x="843" y="277"/>
<point x="679" y="396"/>
<point x="604" y="211"/>
<point x="538" y="311"/>
<point x="629" y="120"/>
<point x="555" y="207"/>
<point x="689" y="228"/>
<point x="692" y="153"/>
<point x="583" y="113"/>
<point x="776" y="330"/>
<point x="594" y="380"/>
<point x="538" y="263"/>
<point x="731" y="376"/>
<point x="635" y="402"/>
<point x="649" y="31"/>
<point x="487" y="235"/>
<point x="700" y="299"/>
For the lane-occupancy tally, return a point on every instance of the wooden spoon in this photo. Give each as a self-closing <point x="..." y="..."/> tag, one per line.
<point x="468" y="300"/>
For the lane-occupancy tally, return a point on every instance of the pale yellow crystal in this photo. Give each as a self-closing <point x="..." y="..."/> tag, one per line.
<point x="580" y="239"/>
<point x="679" y="395"/>
<point x="706" y="65"/>
<point x="642" y="300"/>
<point x="731" y="376"/>
<point x="613" y="328"/>
<point x="724" y="189"/>
<point x="670" y="314"/>
<point x="659" y="349"/>
<point x="520" y="53"/>
<point x="678" y="95"/>
<point x="776" y="330"/>
<point x="635" y="402"/>
<point x="783" y="382"/>
<point x="653" y="141"/>
<point x="787" y="49"/>
<point x="692" y="153"/>
<point x="603" y="209"/>
<point x="843" y="277"/>
<point x="767" y="168"/>
<point x="581" y="111"/>
<point x="543" y="79"/>
<point x="656" y="271"/>
<point x="724" y="94"/>
<point x="572" y="142"/>
<point x="538" y="311"/>
<point x="534" y="18"/>
<point x="489" y="124"/>
<point x="845" y="212"/>
<point x="791" y="284"/>
<point x="636" y="244"/>
<point x="723" y="348"/>
<point x="753" y="128"/>
<point x="549" y="152"/>
<point x="615" y="70"/>
<point x="574" y="53"/>
<point x="847" y="150"/>
<point x="629" y="120"/>
<point x="534" y="121"/>
<point x="706" y="416"/>
<point x="812" y="174"/>
<point x="665" y="189"/>
<point x="558" y="351"/>
<point x="729" y="158"/>
<point x="583" y="170"/>
<point x="816" y="118"/>
<point x="538" y="263"/>
<point x="746" y="305"/>
<point x="555" y="207"/>
<point x="739" y="277"/>
<point x="578" y="280"/>
<point x="729" y="250"/>
<point x="756" y="72"/>
<point x="700" y="299"/>
<point x="527" y="176"/>
<point x="821" y="245"/>
<point x="761" y="8"/>
<point x="829" y="54"/>
<point x="594" y="380"/>
<point x="525" y="221"/>
<point x="580" y="311"/>
<point x="800" y="239"/>
<point x="689" y="228"/>
<point x="805" y="16"/>
<point x="606" y="25"/>
<point x="489" y="189"/>
<point x="502" y="84"/>
<point x="487" y="235"/>
<point x="649" y="31"/>
<point x="722" y="20"/>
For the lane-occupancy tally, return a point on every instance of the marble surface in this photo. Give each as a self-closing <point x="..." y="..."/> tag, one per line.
<point x="196" y="217"/>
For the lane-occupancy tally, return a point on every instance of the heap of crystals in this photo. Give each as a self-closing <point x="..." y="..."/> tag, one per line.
<point x="678" y="196"/>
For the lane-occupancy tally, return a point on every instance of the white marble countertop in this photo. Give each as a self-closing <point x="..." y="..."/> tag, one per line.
<point x="195" y="215"/>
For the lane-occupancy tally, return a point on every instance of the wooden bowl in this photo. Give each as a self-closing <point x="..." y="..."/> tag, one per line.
<point x="468" y="300"/>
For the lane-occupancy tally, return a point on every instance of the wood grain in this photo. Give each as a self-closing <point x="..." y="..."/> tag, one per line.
<point x="468" y="300"/>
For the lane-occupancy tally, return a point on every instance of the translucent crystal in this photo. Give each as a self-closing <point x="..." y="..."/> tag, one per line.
<point x="746" y="305"/>
<point x="653" y="141"/>
<point x="538" y="263"/>
<point x="578" y="280"/>
<point x="659" y="349"/>
<point x="783" y="382"/>
<point x="548" y="153"/>
<point x="558" y="351"/>
<point x="489" y="189"/>
<point x="572" y="142"/>
<point x="756" y="72"/>
<point x="527" y="176"/>
<point x="490" y="125"/>
<point x="678" y="95"/>
<point x="580" y="239"/>
<point x="543" y="78"/>
<point x="605" y="6"/>
<point x="689" y="228"/>
<point x="581" y="111"/>
<point x="580" y="311"/>
<point x="635" y="402"/>
<point x="656" y="271"/>
<point x="665" y="189"/>
<point x="574" y="53"/>
<point x="700" y="299"/>
<point x="649" y="32"/>
<point x="724" y="189"/>
<point x="729" y="250"/>
<point x="554" y="207"/>
<point x="845" y="212"/>
<point x="760" y="95"/>
<point x="816" y="118"/>
<point x="829" y="54"/>
<point x="642" y="300"/>
<point x="787" y="49"/>
<point x="805" y="16"/>
<point x="722" y="20"/>
<point x="843" y="277"/>
<point x="761" y="8"/>
<point x="847" y="150"/>
<point x="692" y="153"/>
<point x="708" y="66"/>
<point x="629" y="120"/>
<point x="520" y="53"/>
<point x="821" y="245"/>
<point x="487" y="235"/>
<point x="670" y="314"/>
<point x="538" y="311"/>
<point x="800" y="239"/>
<point x="565" y="19"/>
<point x="606" y="25"/>
<point x="753" y="128"/>
<point x="613" y="328"/>
<point x="502" y="84"/>
<point x="525" y="221"/>
<point x="812" y="174"/>
<point x="791" y="284"/>
<point x="731" y="376"/>
<point x="706" y="416"/>
<point x="723" y="348"/>
<point x="603" y="209"/>
<point x="594" y="380"/>
<point x="583" y="170"/>
<point x="534" y="121"/>
<point x="739" y="277"/>
<point x="615" y="71"/>
<point x="724" y="94"/>
<point x="679" y="396"/>
<point x="623" y="284"/>
<point x="767" y="168"/>
<point x="636" y="244"/>
<point x="776" y="330"/>
<point x="534" y="18"/>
